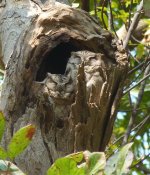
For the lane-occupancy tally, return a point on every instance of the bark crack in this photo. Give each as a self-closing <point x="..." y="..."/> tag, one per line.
<point x="42" y="126"/>
<point x="38" y="4"/>
<point x="108" y="115"/>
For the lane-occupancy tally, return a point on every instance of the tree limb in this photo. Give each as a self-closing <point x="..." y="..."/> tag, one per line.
<point x="143" y="169"/>
<point x="143" y="79"/>
<point x="133" y="25"/>
<point x="147" y="119"/>
<point x="134" y="112"/>
<point x="85" y="5"/>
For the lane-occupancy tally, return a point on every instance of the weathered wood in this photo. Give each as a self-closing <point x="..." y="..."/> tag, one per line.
<point x="65" y="74"/>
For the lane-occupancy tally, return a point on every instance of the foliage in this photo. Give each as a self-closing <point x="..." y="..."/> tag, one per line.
<point x="17" y="145"/>
<point x="87" y="163"/>
<point x="9" y="168"/>
<point x="146" y="7"/>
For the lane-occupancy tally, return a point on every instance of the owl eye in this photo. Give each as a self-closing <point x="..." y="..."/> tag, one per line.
<point x="55" y="61"/>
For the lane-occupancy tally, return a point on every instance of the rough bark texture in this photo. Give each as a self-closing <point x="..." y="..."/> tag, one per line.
<point x="64" y="74"/>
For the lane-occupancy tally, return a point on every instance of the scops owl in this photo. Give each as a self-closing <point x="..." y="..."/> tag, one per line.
<point x="62" y="86"/>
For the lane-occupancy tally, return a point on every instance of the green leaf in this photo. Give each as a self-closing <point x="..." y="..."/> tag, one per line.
<point x="105" y="18"/>
<point x="7" y="167"/>
<point x="75" y="5"/>
<point x="2" y="125"/>
<point x="3" y="153"/>
<point x="20" y="141"/>
<point x="65" y="166"/>
<point x="146" y="7"/>
<point x="114" y="5"/>
<point x="95" y="162"/>
<point x="78" y="157"/>
<point x="119" y="163"/>
<point x="128" y="162"/>
<point x="91" y="5"/>
<point x="140" y="51"/>
<point x="69" y="165"/>
<point x="3" y="166"/>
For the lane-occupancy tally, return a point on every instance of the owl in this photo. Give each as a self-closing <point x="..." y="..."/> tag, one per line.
<point x="64" y="85"/>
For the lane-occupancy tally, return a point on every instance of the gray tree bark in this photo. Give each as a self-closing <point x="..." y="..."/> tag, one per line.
<point x="64" y="74"/>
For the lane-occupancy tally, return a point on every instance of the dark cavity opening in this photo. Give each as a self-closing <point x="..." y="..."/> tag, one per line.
<point x="59" y="123"/>
<point x="55" y="61"/>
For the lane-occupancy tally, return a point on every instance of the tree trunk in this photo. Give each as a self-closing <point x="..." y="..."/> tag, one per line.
<point x="64" y="74"/>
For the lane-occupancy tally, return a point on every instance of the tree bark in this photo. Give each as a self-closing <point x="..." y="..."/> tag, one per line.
<point x="64" y="74"/>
